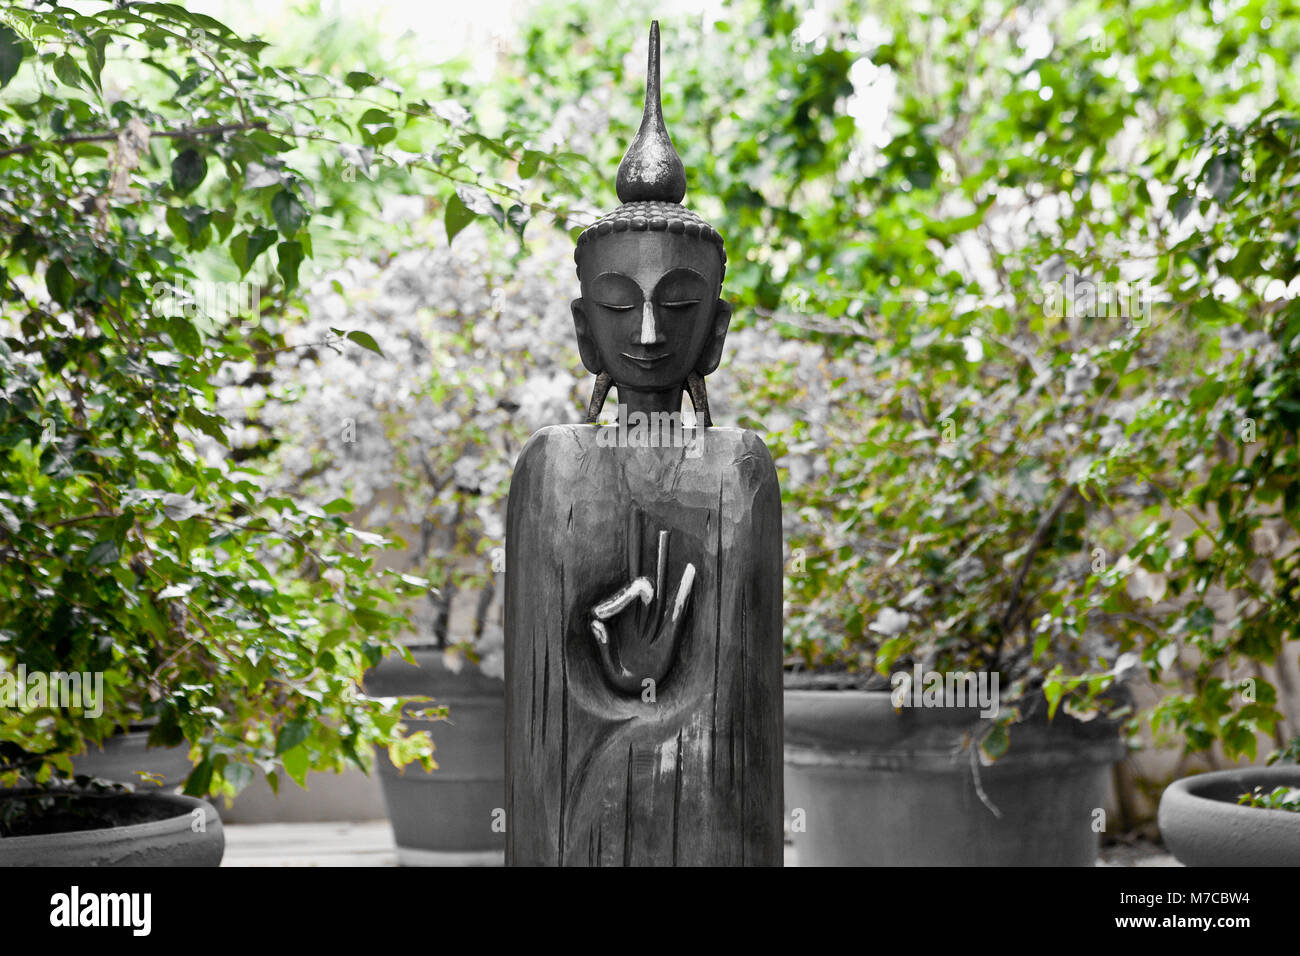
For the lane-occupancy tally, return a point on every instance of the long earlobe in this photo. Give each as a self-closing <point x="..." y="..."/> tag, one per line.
<point x="598" y="392"/>
<point x="699" y="399"/>
<point x="586" y="344"/>
<point x="712" y="353"/>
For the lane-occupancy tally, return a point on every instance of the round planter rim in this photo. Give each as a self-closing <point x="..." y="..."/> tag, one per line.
<point x="184" y="805"/>
<point x="854" y="693"/>
<point x="1185" y="790"/>
<point x="876" y="704"/>
<point x="908" y="761"/>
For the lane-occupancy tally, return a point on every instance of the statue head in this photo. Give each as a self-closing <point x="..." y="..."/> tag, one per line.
<point x="650" y="320"/>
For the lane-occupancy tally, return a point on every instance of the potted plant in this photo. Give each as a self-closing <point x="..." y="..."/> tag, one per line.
<point x="1051" y="473"/>
<point x="1240" y="491"/>
<point x="84" y="822"/>
<point x="452" y="815"/>
<point x="151" y="235"/>
<point x="432" y="469"/>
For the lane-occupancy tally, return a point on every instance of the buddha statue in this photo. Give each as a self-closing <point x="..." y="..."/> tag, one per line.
<point x="643" y="582"/>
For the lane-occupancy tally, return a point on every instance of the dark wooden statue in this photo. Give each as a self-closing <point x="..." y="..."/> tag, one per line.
<point x="643" y="568"/>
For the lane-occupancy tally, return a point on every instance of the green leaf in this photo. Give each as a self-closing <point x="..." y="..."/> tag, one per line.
<point x="104" y="552"/>
<point x="11" y="55"/>
<point x="224" y="220"/>
<point x="66" y="69"/>
<point x="358" y="80"/>
<point x="190" y="83"/>
<point x="529" y="163"/>
<point x="296" y="763"/>
<point x="480" y="203"/>
<point x="197" y="219"/>
<point x="210" y="425"/>
<point x="179" y="226"/>
<point x="995" y="742"/>
<point x="239" y="251"/>
<point x="292" y="734"/>
<point x="246" y="247"/>
<point x="167" y="732"/>
<point x="180" y="507"/>
<point x="335" y="636"/>
<point x="376" y="127"/>
<point x="288" y="258"/>
<point x="456" y="217"/>
<point x="183" y="335"/>
<point x="288" y="212"/>
<point x="238" y="775"/>
<point x="365" y="340"/>
<point x="1221" y="175"/>
<point x="59" y="282"/>
<point x="95" y="57"/>
<point x="188" y="170"/>
<point x="1052" y="690"/>
<point x="518" y="217"/>
<point x="200" y="778"/>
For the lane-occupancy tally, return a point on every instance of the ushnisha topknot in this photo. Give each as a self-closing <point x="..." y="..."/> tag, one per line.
<point x="651" y="170"/>
<point x="651" y="178"/>
<point x="668" y="217"/>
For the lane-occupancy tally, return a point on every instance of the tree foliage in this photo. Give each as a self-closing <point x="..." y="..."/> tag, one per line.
<point x="162" y="183"/>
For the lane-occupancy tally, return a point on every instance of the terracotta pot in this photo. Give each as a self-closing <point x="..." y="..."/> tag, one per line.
<point x="453" y="816"/>
<point x="185" y="832"/>
<point x="872" y="786"/>
<point x="1203" y="825"/>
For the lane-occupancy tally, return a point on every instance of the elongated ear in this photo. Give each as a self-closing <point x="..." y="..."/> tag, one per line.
<point x="712" y="353"/>
<point x="586" y="344"/>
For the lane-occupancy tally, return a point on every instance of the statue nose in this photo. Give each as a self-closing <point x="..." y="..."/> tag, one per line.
<point x="650" y="334"/>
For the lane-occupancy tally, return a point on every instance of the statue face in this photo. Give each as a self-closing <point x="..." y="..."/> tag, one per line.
<point x="650" y="313"/>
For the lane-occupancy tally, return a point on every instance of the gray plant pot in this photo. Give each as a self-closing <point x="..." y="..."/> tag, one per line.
<point x="347" y="797"/>
<point x="453" y="816"/>
<point x="179" y="837"/>
<point x="125" y="754"/>
<point x="1202" y="824"/>
<point x="874" y="787"/>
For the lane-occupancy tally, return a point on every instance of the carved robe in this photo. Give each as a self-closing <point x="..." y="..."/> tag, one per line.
<point x="661" y="743"/>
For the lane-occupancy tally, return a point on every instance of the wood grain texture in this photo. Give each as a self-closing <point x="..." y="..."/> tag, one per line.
<point x="596" y="776"/>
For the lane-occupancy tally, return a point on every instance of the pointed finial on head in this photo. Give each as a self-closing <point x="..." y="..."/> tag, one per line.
<point x="651" y="170"/>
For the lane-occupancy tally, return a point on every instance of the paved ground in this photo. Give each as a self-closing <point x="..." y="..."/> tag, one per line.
<point x="371" y="844"/>
<point x="1136" y="854"/>
<point x="322" y="844"/>
<point x="310" y="844"/>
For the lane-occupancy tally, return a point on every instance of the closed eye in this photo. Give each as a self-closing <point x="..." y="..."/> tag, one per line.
<point x="680" y="303"/>
<point x="616" y="307"/>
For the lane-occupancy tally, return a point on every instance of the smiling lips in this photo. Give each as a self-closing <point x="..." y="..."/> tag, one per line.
<point x="647" y="361"/>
